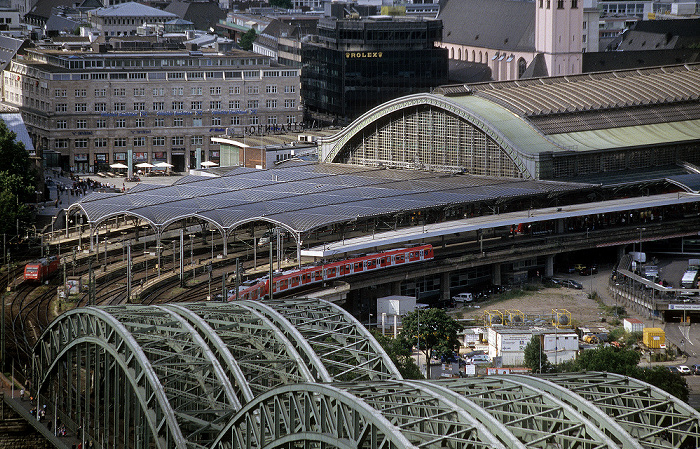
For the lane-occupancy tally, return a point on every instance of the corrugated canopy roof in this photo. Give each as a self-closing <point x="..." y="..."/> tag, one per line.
<point x="304" y="196"/>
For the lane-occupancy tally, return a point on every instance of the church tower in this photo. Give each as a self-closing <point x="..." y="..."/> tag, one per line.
<point x="558" y="35"/>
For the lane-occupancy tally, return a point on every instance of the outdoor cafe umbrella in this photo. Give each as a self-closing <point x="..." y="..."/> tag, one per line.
<point x="209" y="164"/>
<point x="118" y="165"/>
<point x="144" y="165"/>
<point x="163" y="165"/>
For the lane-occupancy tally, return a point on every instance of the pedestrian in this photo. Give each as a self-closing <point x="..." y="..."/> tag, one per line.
<point x="21" y="395"/>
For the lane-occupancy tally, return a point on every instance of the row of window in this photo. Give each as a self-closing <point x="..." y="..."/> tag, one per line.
<point x="176" y="105"/>
<point x="121" y="142"/>
<point x="176" y="91"/>
<point x="160" y="122"/>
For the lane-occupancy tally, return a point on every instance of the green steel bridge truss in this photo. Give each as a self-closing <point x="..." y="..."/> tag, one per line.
<point x="304" y="373"/>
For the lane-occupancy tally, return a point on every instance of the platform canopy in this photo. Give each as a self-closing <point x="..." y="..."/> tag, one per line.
<point x="303" y="196"/>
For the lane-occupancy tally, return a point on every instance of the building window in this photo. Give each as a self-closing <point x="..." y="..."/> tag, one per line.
<point x="120" y="142"/>
<point x="81" y="143"/>
<point x="158" y="91"/>
<point x="61" y="107"/>
<point x="140" y="123"/>
<point x="235" y="120"/>
<point x="120" y="123"/>
<point x="196" y="91"/>
<point x="177" y="141"/>
<point x="60" y="93"/>
<point x="159" y="122"/>
<point x="119" y="92"/>
<point x="215" y="90"/>
<point x="81" y="107"/>
<point x="139" y="92"/>
<point x="289" y="89"/>
<point x="178" y="105"/>
<point x="253" y="104"/>
<point x="234" y="104"/>
<point x="159" y="141"/>
<point x="80" y="93"/>
<point x="216" y="121"/>
<point x="61" y="124"/>
<point x="196" y="105"/>
<point x="120" y="107"/>
<point x="253" y="120"/>
<point x="272" y="120"/>
<point x="81" y="124"/>
<point x="583" y="38"/>
<point x="585" y="24"/>
<point x="215" y="104"/>
<point x="178" y="91"/>
<point x="140" y="106"/>
<point x="560" y="4"/>
<point x="100" y="107"/>
<point x="291" y="119"/>
<point x="179" y="121"/>
<point x="197" y="140"/>
<point x="101" y="143"/>
<point x="253" y="90"/>
<point x="100" y="123"/>
<point x="158" y="105"/>
<point x="61" y="143"/>
<point x="197" y="121"/>
<point x="139" y="141"/>
<point x="522" y="66"/>
<point x="234" y="90"/>
<point x="574" y="4"/>
<point x="289" y="103"/>
<point x="100" y="93"/>
<point x="270" y="103"/>
<point x="270" y="89"/>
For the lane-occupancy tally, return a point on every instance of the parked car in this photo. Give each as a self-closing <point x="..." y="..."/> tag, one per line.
<point x="578" y="267"/>
<point x="673" y="369"/>
<point x="463" y="297"/>
<point x="684" y="370"/>
<point x="570" y="283"/>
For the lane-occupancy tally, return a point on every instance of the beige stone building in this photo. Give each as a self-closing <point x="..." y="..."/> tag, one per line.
<point x="92" y="107"/>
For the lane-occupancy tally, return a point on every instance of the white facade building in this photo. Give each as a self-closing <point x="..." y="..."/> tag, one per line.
<point x="509" y="344"/>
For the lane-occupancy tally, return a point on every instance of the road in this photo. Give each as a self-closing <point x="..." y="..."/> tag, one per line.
<point x="686" y="337"/>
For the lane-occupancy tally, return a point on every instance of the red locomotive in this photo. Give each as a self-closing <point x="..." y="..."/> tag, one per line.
<point x="334" y="270"/>
<point x="41" y="269"/>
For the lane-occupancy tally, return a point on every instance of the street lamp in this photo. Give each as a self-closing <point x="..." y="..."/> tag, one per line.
<point x="640" y="237"/>
<point x="212" y="244"/>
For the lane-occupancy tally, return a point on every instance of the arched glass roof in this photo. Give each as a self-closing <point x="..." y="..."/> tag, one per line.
<point x="303" y="196"/>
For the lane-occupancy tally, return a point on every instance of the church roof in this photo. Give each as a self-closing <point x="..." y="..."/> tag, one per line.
<point x="507" y="25"/>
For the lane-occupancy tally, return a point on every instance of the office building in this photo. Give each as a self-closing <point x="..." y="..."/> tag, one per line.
<point x="358" y="63"/>
<point x="92" y="107"/>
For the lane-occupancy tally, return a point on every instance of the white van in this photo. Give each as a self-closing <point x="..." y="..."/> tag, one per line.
<point x="479" y="359"/>
<point x="463" y="297"/>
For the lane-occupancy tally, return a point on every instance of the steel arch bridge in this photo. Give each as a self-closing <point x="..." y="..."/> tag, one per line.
<point x="303" y="372"/>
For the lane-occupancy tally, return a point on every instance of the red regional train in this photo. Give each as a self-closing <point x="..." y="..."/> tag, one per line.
<point x="334" y="270"/>
<point x="41" y="269"/>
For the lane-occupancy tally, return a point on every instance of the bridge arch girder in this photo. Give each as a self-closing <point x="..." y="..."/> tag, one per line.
<point x="332" y="337"/>
<point x="393" y="415"/>
<point x="249" y="342"/>
<point x="651" y="416"/>
<point x="332" y="147"/>
<point x="76" y="329"/>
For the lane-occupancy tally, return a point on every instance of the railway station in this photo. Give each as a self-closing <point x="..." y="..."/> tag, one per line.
<point x="489" y="182"/>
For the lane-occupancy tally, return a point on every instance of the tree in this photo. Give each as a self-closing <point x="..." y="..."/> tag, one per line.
<point x="246" y="42"/>
<point x="661" y="377"/>
<point x="535" y="357"/>
<point x="399" y="351"/>
<point x="17" y="182"/>
<point x="431" y="330"/>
